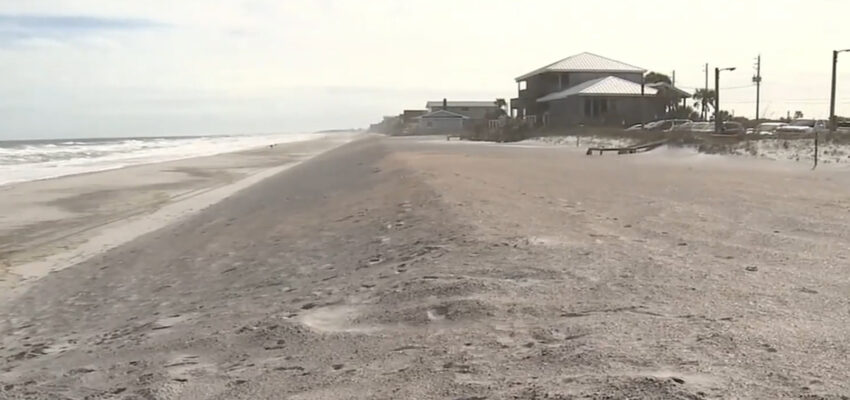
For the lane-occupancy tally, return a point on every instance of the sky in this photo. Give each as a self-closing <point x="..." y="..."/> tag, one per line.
<point x="95" y="68"/>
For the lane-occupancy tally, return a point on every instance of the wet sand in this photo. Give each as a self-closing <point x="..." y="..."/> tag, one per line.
<point x="50" y="224"/>
<point x="414" y="268"/>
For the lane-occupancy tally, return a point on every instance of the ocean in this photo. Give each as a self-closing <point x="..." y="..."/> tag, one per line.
<point x="27" y="160"/>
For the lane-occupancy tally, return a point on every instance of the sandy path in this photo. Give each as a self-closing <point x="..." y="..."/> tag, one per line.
<point x="401" y="268"/>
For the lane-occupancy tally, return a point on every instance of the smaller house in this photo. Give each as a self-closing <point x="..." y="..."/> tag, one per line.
<point x="475" y="110"/>
<point x="671" y="94"/>
<point x="442" y="122"/>
<point x="412" y="116"/>
<point x="410" y="121"/>
<point x="389" y="125"/>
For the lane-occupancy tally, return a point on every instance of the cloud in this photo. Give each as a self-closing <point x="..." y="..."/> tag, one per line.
<point x="36" y="28"/>
<point x="237" y="65"/>
<point x="73" y="23"/>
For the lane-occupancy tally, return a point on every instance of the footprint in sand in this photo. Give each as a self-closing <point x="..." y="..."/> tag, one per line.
<point x="335" y="319"/>
<point x="168" y="322"/>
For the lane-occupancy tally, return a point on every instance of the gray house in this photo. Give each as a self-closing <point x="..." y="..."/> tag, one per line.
<point x="588" y="89"/>
<point x="442" y="122"/>
<point x="475" y="110"/>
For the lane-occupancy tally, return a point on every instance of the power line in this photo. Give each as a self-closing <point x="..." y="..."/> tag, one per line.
<point x="811" y="99"/>
<point x="723" y="88"/>
<point x="845" y="101"/>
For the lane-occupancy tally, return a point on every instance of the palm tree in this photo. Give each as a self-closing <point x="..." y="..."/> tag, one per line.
<point x="702" y="95"/>
<point x="686" y="112"/>
<point x="655" y="77"/>
<point x="502" y="105"/>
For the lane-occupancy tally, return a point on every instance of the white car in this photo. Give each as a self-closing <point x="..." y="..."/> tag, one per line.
<point x="768" y="128"/>
<point x="664" y="125"/>
<point x="805" y="126"/>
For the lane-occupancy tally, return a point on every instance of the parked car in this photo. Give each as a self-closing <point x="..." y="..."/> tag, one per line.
<point x="670" y="124"/>
<point x="805" y="126"/>
<point x="729" y="127"/>
<point x="664" y="125"/>
<point x="642" y="127"/>
<point x="732" y="128"/>
<point x="696" y="127"/>
<point x="684" y="127"/>
<point x="768" y="128"/>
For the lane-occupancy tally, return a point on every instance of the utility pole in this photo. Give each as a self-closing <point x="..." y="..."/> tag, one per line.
<point x="831" y="106"/>
<point x="832" y="94"/>
<point x="704" y="94"/>
<point x="718" y="124"/>
<point x="757" y="80"/>
<point x="833" y="122"/>
<point x="718" y="119"/>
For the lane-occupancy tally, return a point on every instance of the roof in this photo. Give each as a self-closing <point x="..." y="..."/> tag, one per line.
<point x="667" y="86"/>
<point x="607" y="86"/>
<point x="435" y="104"/>
<point x="443" y="114"/>
<point x="584" y="62"/>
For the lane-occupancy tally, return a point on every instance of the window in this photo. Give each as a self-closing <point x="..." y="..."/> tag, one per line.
<point x="495" y="123"/>
<point x="523" y="85"/>
<point x="595" y="107"/>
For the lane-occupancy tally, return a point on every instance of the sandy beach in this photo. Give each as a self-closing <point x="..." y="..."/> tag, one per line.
<point x="415" y="268"/>
<point x="54" y="223"/>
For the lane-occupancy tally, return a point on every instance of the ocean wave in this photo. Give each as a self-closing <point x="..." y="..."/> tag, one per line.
<point x="32" y="161"/>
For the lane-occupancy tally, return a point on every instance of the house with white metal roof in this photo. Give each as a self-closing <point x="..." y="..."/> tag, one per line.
<point x="588" y="89"/>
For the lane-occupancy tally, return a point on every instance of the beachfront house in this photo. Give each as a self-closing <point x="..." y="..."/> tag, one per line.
<point x="389" y="125"/>
<point x="475" y="110"/>
<point x="412" y="116"/>
<point x="410" y="121"/>
<point x="588" y="89"/>
<point x="442" y="122"/>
